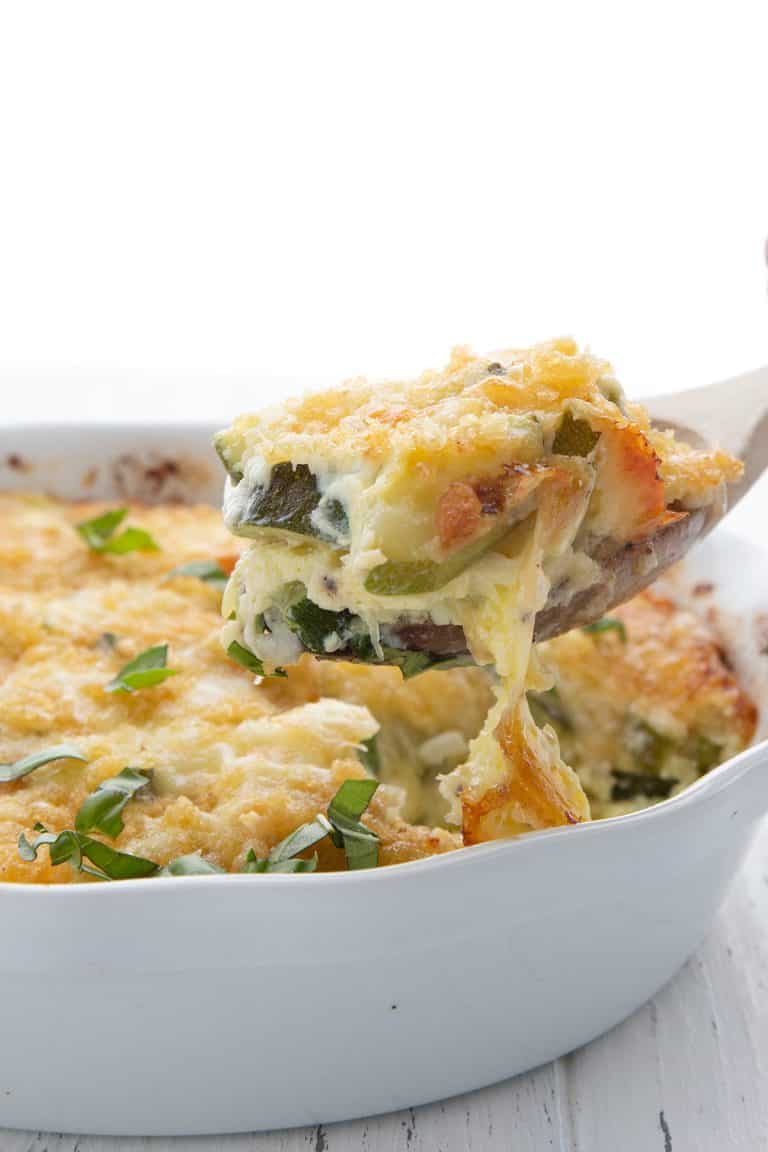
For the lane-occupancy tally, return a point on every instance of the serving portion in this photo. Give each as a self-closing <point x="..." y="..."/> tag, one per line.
<point x="141" y="747"/>
<point x="454" y="519"/>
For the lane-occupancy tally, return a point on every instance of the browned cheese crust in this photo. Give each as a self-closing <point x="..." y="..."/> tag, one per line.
<point x="234" y="765"/>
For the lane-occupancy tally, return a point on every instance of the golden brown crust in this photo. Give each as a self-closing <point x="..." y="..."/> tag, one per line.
<point x="474" y="407"/>
<point x="234" y="765"/>
<point x="666" y="676"/>
<point x="671" y="660"/>
<point x="533" y="794"/>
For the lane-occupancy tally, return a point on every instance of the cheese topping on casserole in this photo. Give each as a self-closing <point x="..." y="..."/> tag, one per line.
<point x="643" y="704"/>
<point x="237" y="765"/>
<point x="233" y="766"/>
<point x="448" y="507"/>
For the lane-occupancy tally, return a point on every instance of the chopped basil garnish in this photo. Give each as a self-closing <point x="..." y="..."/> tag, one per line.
<point x="607" y="624"/>
<point x="190" y="865"/>
<point x="99" y="534"/>
<point x="245" y="657"/>
<point x="10" y="772"/>
<point x="298" y="841"/>
<point x="368" y="754"/>
<point x="206" y="570"/>
<point x="342" y="824"/>
<point x="253" y="864"/>
<point x="74" y="848"/>
<point x="147" y="669"/>
<point x="102" y="810"/>
<point x="360" y="844"/>
<point x="282" y="856"/>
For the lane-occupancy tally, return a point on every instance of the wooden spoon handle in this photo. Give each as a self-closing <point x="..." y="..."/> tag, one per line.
<point x="732" y="413"/>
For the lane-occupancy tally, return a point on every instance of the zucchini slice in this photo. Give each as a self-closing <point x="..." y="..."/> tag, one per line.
<point x="288" y="502"/>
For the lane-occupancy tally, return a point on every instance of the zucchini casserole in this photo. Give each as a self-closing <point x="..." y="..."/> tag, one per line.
<point x="453" y="519"/>
<point x="374" y="695"/>
<point x="192" y="764"/>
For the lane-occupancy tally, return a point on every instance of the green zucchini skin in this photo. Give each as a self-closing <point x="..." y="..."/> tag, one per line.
<point x="288" y="502"/>
<point x="233" y="469"/>
<point x="574" y="437"/>
<point x="414" y="577"/>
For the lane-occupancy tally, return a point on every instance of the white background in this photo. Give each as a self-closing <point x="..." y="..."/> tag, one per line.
<point x="248" y="189"/>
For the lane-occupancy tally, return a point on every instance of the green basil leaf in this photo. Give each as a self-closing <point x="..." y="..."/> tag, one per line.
<point x="102" y="810"/>
<point x="245" y="657"/>
<point x="298" y="841"/>
<point x="368" y="754"/>
<point x="147" y="669"/>
<point x="361" y="848"/>
<point x="360" y="844"/>
<point x="9" y="772"/>
<point x="352" y="799"/>
<point x="607" y="624"/>
<point x="206" y="570"/>
<point x="253" y="864"/>
<point x="70" y="847"/>
<point x="282" y="856"/>
<point x="96" y="532"/>
<point x="116" y="865"/>
<point x="132" y="540"/>
<point x="191" y="865"/>
<point x="99" y="534"/>
<point x="28" y="851"/>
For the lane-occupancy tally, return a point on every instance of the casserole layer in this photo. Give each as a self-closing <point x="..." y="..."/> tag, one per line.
<point x="400" y="523"/>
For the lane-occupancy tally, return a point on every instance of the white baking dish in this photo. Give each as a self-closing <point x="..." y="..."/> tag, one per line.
<point x="223" y="1004"/>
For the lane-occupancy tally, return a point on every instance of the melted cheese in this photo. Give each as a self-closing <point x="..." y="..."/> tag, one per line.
<point x="421" y="470"/>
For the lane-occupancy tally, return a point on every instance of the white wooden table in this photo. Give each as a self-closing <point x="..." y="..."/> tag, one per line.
<point x="687" y="1073"/>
